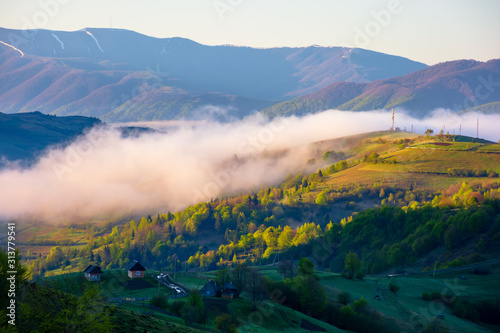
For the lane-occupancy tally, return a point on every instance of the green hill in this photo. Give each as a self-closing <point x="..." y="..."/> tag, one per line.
<point x="399" y="201"/>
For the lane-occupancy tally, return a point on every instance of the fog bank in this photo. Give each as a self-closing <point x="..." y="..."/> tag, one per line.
<point x="103" y="174"/>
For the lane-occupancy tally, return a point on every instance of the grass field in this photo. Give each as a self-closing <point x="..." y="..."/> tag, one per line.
<point x="133" y="318"/>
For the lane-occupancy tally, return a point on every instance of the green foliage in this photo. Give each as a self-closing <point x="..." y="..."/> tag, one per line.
<point x="223" y="276"/>
<point x="159" y="301"/>
<point x="321" y="199"/>
<point x="344" y="297"/>
<point x="312" y="296"/>
<point x="434" y="295"/>
<point x="352" y="263"/>
<point x="393" y="286"/>
<point x="226" y="323"/>
<point x="306" y="267"/>
<point x="44" y="310"/>
<point x="194" y="310"/>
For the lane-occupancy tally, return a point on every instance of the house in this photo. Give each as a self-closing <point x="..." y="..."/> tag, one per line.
<point x="229" y="291"/>
<point x="135" y="270"/>
<point x="93" y="273"/>
<point x="211" y="289"/>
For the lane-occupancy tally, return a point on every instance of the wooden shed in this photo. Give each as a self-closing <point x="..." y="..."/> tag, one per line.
<point x="136" y="270"/>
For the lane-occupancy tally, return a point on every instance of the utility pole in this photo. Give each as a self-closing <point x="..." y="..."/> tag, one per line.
<point x="392" y="127"/>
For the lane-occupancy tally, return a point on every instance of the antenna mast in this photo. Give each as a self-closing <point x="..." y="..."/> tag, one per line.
<point x="392" y="127"/>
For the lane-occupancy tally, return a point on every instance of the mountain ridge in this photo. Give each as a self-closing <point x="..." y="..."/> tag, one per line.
<point x="118" y="65"/>
<point x="455" y="85"/>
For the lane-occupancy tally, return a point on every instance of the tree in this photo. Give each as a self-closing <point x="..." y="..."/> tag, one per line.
<point x="321" y="199"/>
<point x="287" y="269"/>
<point x="223" y="276"/>
<point x="239" y="275"/>
<point x="285" y="238"/>
<point x="352" y="263"/>
<point x="312" y="296"/>
<point x="306" y="267"/>
<point x="256" y="285"/>
<point x="194" y="309"/>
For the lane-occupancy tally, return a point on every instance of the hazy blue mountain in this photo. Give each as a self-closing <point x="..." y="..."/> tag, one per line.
<point x="103" y="72"/>
<point x="24" y="135"/>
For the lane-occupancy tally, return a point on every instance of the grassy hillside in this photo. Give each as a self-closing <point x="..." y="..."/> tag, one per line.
<point x="398" y="201"/>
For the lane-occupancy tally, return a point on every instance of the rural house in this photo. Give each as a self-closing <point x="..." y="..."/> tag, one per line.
<point x="211" y="289"/>
<point x="229" y="291"/>
<point x="93" y="273"/>
<point x="135" y="270"/>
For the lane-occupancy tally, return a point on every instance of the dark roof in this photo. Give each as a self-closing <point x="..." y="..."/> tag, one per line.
<point x="135" y="266"/>
<point x="212" y="285"/>
<point x="229" y="287"/>
<point x="93" y="269"/>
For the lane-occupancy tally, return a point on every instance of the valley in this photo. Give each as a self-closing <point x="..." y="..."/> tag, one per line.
<point x="438" y="183"/>
<point x="236" y="166"/>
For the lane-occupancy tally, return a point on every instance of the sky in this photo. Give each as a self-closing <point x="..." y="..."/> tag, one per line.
<point x="428" y="31"/>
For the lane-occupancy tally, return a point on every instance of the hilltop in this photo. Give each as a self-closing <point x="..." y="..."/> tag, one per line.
<point x="25" y="135"/>
<point x="455" y="85"/>
<point x="121" y="75"/>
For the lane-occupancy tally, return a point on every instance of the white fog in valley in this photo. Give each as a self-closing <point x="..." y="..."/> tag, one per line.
<point x="104" y="174"/>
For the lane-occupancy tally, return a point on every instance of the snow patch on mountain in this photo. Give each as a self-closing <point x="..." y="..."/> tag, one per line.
<point x="60" y="41"/>
<point x="13" y="47"/>
<point x="95" y="40"/>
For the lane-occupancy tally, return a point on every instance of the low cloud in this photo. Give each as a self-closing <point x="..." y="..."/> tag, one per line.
<point x="103" y="174"/>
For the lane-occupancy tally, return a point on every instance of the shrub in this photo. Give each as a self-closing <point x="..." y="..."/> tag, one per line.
<point x="344" y="297"/>
<point x="176" y="307"/>
<point x="360" y="274"/>
<point x="226" y="323"/>
<point x="393" y="287"/>
<point x="159" y="301"/>
<point x="432" y="296"/>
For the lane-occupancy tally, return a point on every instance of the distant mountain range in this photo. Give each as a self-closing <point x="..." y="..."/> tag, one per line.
<point x="457" y="85"/>
<point x="120" y="75"/>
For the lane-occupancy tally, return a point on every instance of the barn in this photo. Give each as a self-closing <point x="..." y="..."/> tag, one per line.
<point x="229" y="291"/>
<point x="211" y="289"/>
<point x="93" y="273"/>
<point x="136" y="270"/>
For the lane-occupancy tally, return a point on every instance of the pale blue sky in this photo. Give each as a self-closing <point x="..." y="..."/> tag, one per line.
<point x="430" y="31"/>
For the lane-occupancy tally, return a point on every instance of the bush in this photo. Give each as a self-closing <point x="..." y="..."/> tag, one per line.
<point x="432" y="296"/>
<point x="344" y="297"/>
<point x="176" y="307"/>
<point x="393" y="287"/>
<point x="159" y="301"/>
<point x="226" y="323"/>
<point x="360" y="274"/>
